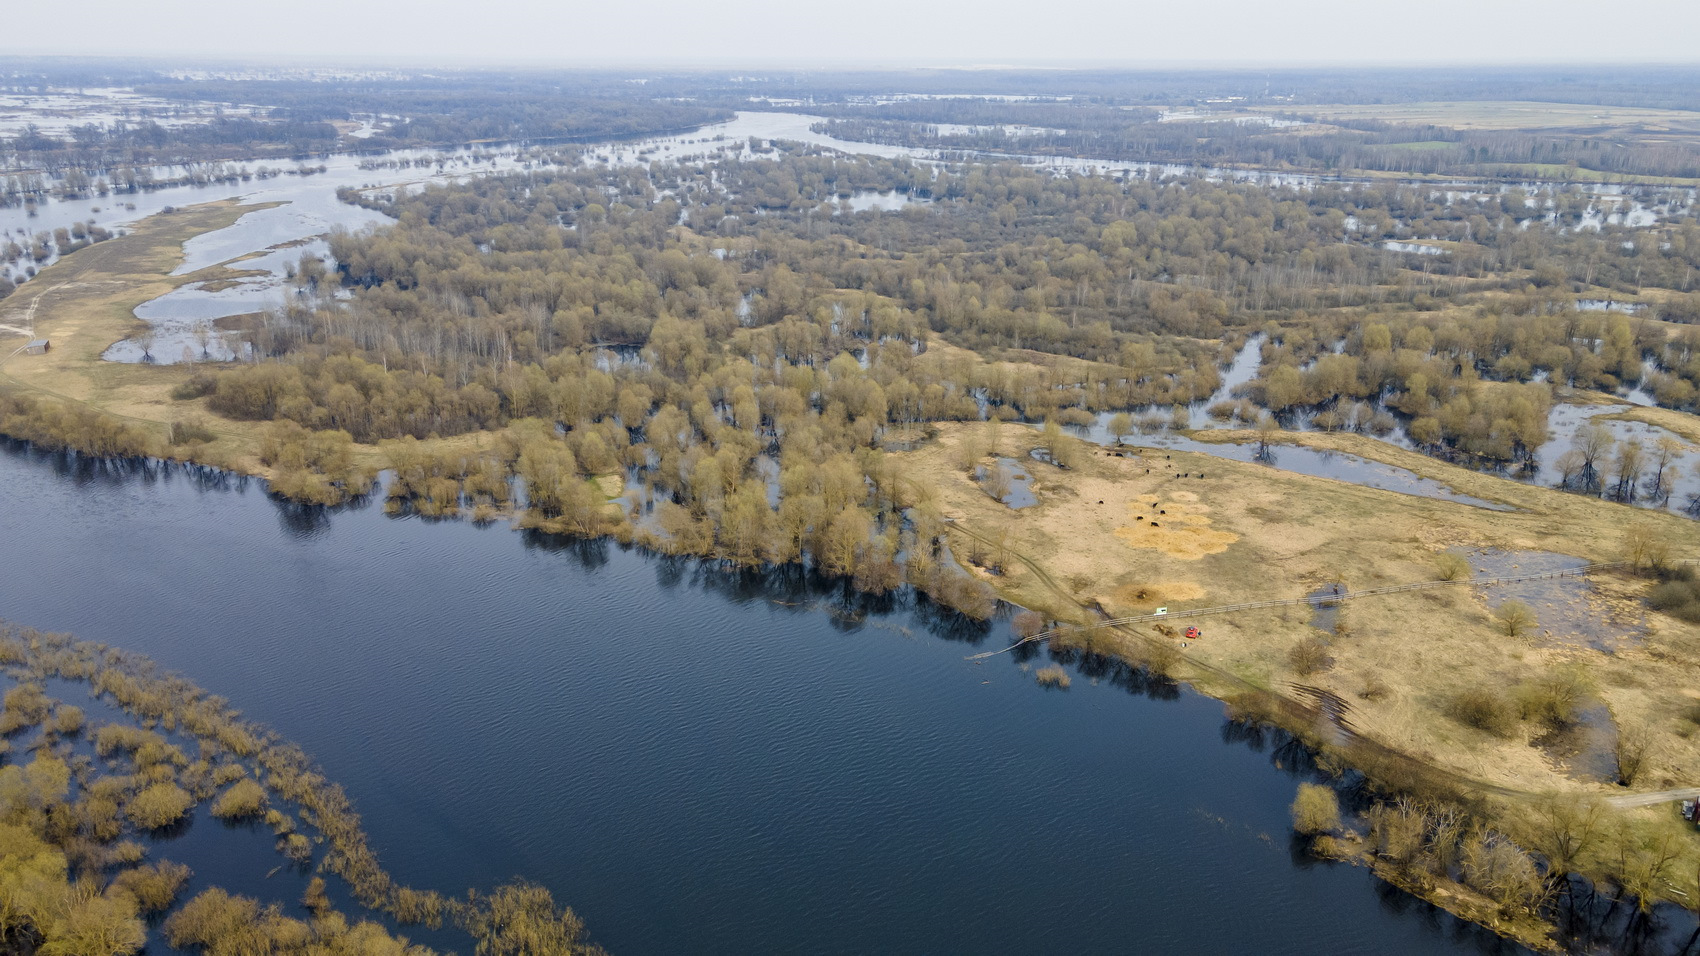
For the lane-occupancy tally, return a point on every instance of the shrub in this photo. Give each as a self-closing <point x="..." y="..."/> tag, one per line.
<point x="154" y="888"/>
<point x="1554" y="699"/>
<point x="413" y="907"/>
<point x="25" y="706"/>
<point x="297" y="847"/>
<point x="1309" y="655"/>
<point x="199" y="385"/>
<point x="1677" y="597"/>
<point x="1515" y="618"/>
<point x="190" y="433"/>
<point x="67" y="720"/>
<point x="244" y="799"/>
<point x="1053" y="677"/>
<point x="1633" y="749"/>
<point x="1502" y="871"/>
<point x="1316" y="810"/>
<point x="159" y="805"/>
<point x="1027" y="624"/>
<point x="1451" y="566"/>
<point x="521" y="918"/>
<point x="1374" y="688"/>
<point x="1483" y="709"/>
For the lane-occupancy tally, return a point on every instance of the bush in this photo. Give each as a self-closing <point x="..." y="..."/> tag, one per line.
<point x="1680" y="598"/>
<point x="1485" y="710"/>
<point x="154" y="888"/>
<point x="25" y="706"/>
<point x="1374" y="688"/>
<point x="67" y="720"/>
<point x="1451" y="567"/>
<point x="1633" y="749"/>
<point x="199" y="385"/>
<point x="1515" y="618"/>
<point x="1316" y="810"/>
<point x="190" y="433"/>
<point x="1027" y="624"/>
<point x="159" y="805"/>
<point x="1554" y="698"/>
<point x="244" y="799"/>
<point x="1053" y="677"/>
<point x="1309" y="656"/>
<point x="1502" y="871"/>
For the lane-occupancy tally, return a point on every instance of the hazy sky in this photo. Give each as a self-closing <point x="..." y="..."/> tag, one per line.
<point x="883" y="32"/>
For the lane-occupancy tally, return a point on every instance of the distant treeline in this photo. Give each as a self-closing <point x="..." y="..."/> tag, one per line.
<point x="297" y="116"/>
<point x="466" y="108"/>
<point x="1662" y="87"/>
<point x="1096" y="132"/>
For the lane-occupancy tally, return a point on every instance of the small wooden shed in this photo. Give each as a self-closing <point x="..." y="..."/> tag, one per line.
<point x="38" y="347"/>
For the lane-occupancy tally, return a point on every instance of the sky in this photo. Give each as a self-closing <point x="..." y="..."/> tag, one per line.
<point x="1127" y="33"/>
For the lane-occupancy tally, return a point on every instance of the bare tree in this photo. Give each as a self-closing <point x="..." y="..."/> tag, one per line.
<point x="1626" y="468"/>
<point x="1267" y="429"/>
<point x="999" y="481"/>
<point x="1569" y="465"/>
<point x="1665" y="451"/>
<point x="1594" y="441"/>
<point x="1634" y="747"/>
<point x="1565" y="827"/>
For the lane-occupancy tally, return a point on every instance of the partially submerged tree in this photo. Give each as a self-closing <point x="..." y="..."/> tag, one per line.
<point x="1316" y="810"/>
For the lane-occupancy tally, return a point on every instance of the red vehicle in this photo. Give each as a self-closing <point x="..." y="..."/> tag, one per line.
<point x="1193" y="634"/>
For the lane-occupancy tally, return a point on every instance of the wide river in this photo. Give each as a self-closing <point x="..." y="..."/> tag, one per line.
<point x="696" y="761"/>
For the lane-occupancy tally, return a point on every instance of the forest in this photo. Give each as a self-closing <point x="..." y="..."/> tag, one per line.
<point x="745" y="348"/>
<point x="293" y="119"/>
<point x="1284" y="141"/>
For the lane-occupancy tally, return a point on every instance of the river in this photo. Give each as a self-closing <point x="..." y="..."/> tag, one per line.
<point x="696" y="761"/>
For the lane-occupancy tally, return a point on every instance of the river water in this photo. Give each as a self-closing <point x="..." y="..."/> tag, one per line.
<point x="696" y="761"/>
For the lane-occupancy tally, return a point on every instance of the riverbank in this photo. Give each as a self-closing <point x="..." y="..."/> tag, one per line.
<point x="1125" y="534"/>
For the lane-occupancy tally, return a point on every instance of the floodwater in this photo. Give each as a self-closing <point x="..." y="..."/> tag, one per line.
<point x="307" y="192"/>
<point x="1681" y="476"/>
<point x="1017" y="483"/>
<point x="697" y="761"/>
<point x="1339" y="466"/>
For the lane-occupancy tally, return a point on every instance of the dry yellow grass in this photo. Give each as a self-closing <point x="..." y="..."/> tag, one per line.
<point x="1251" y="533"/>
